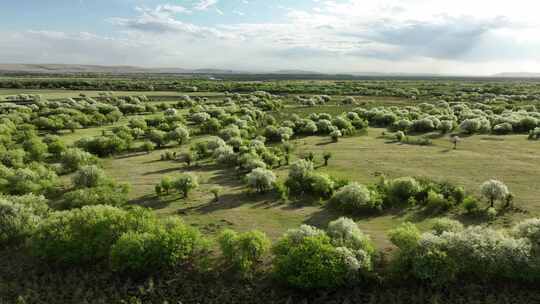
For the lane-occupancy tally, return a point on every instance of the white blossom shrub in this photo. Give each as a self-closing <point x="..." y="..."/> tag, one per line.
<point x="261" y="180"/>
<point x="494" y="190"/>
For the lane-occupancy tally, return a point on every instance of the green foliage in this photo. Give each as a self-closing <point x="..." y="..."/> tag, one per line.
<point x="167" y="245"/>
<point x="311" y="263"/>
<point x="244" y="251"/>
<point x="400" y="190"/>
<point x="85" y="235"/>
<point x="89" y="176"/>
<point x="437" y="202"/>
<point x="17" y="222"/>
<point x="405" y="236"/>
<point x="185" y="183"/>
<point x="74" y="158"/>
<point x="354" y="198"/>
<point x="471" y="205"/>
<point x="441" y="225"/>
<point x="308" y="258"/>
<point x="101" y="195"/>
<point x="261" y="180"/>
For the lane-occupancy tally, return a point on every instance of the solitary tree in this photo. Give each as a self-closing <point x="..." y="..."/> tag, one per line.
<point x="180" y="134"/>
<point x="185" y="183"/>
<point x="88" y="177"/>
<point x="455" y="139"/>
<point x="336" y="134"/>
<point x="188" y="157"/>
<point x="494" y="190"/>
<point x="158" y="137"/>
<point x="261" y="179"/>
<point x="215" y="191"/>
<point x="327" y="155"/>
<point x="166" y="183"/>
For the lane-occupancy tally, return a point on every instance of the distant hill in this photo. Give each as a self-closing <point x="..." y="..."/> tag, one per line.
<point x="518" y="75"/>
<point x="120" y="69"/>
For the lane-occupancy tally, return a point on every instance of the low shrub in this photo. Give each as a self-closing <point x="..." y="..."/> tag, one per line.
<point x="355" y="197"/>
<point x="245" y="250"/>
<point x="312" y="262"/>
<point x="102" y="195"/>
<point x="471" y="205"/>
<point x="261" y="180"/>
<point x="85" y="235"/>
<point x="308" y="258"/>
<point x="17" y="222"/>
<point x="442" y="225"/>
<point x="400" y="190"/>
<point x="168" y="245"/>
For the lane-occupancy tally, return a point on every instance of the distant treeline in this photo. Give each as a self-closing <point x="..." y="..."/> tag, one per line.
<point x="409" y="87"/>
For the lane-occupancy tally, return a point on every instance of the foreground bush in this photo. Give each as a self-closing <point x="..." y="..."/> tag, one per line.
<point x="309" y="258"/>
<point x="101" y="195"/>
<point x="86" y="235"/>
<point x="449" y="252"/>
<point x="245" y="250"/>
<point x="168" y="245"/>
<point x="17" y="222"/>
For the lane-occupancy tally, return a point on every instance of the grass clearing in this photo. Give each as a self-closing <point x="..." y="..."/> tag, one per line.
<point x="357" y="158"/>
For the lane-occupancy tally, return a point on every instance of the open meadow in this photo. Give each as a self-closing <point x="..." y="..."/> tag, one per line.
<point x="287" y="191"/>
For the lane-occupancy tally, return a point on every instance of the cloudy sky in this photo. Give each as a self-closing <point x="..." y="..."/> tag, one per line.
<point x="475" y="37"/>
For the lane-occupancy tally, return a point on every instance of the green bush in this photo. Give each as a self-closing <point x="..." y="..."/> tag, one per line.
<point x="101" y="195"/>
<point x="74" y="158"/>
<point x="17" y="222"/>
<point x="184" y="183"/>
<point x="321" y="185"/>
<point x="434" y="266"/>
<point x="437" y="202"/>
<point x="244" y="251"/>
<point x="400" y="190"/>
<point x="405" y="236"/>
<point x="442" y="225"/>
<point x="355" y="197"/>
<point x="85" y="235"/>
<point x="89" y="176"/>
<point x="308" y="258"/>
<point x="168" y="245"/>
<point x="471" y="205"/>
<point x="310" y="263"/>
<point x="345" y="233"/>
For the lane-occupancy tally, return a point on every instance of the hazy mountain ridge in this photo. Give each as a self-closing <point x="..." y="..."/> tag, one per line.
<point x="517" y="75"/>
<point x="128" y="69"/>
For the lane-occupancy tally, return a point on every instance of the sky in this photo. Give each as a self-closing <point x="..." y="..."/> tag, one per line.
<point x="465" y="37"/>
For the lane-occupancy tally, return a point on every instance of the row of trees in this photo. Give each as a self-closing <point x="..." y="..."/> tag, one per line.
<point x="136" y="242"/>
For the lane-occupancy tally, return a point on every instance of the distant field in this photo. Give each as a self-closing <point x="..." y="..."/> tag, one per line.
<point x="52" y="94"/>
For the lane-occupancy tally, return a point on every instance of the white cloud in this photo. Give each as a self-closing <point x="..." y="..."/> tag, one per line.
<point x="461" y="36"/>
<point x="205" y="4"/>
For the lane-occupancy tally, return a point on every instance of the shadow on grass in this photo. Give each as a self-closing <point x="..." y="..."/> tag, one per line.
<point x="162" y="171"/>
<point x="322" y="217"/>
<point x="130" y="155"/>
<point x="234" y="200"/>
<point x="153" y="201"/>
<point x="326" y="143"/>
<point x="492" y="138"/>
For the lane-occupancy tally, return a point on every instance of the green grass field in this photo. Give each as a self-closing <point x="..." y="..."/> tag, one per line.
<point x="511" y="158"/>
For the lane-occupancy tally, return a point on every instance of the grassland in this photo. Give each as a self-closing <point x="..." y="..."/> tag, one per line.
<point x="510" y="158"/>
